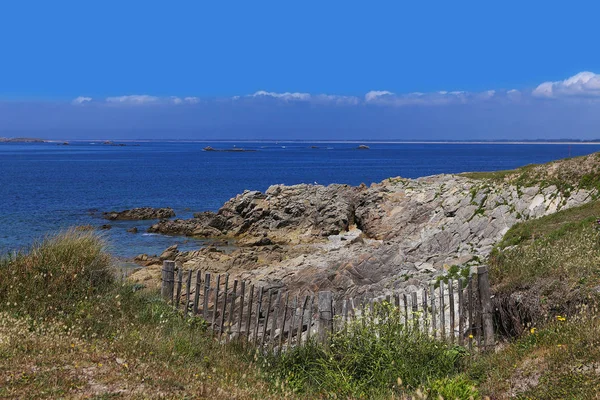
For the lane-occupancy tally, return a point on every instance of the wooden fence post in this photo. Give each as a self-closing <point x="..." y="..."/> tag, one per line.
<point x="224" y="308"/>
<point x="451" y="304"/>
<point x="249" y="316"/>
<point x="285" y="313"/>
<point x="486" y="307"/>
<point x="461" y="313"/>
<point x="216" y="304"/>
<point x="230" y="317"/>
<point x="433" y="311"/>
<point x="301" y="320"/>
<point x="310" y="317"/>
<point x="470" y="305"/>
<point x="188" y="290"/>
<point x="206" y="295"/>
<point x="415" y="310"/>
<point x="274" y="321"/>
<point x="325" y="316"/>
<point x="258" y="310"/>
<point x="266" y="320"/>
<point x="168" y="280"/>
<point x="197" y="293"/>
<point x="241" y="314"/>
<point x="442" y="311"/>
<point x="179" y="284"/>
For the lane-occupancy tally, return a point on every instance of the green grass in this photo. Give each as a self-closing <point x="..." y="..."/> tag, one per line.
<point x="372" y="359"/>
<point x="69" y="330"/>
<point x="561" y="250"/>
<point x="558" y="361"/>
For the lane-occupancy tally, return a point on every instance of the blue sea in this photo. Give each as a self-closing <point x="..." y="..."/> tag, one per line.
<point x="47" y="187"/>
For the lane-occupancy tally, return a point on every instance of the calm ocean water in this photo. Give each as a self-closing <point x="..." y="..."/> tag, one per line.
<point x="48" y="187"/>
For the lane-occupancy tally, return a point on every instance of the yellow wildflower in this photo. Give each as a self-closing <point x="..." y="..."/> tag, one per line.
<point x="532" y="330"/>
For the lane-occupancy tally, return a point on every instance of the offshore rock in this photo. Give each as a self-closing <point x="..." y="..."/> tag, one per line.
<point x="139" y="214"/>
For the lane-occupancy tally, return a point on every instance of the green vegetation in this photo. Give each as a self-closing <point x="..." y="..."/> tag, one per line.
<point x="68" y="329"/>
<point x="566" y="174"/>
<point x="371" y="359"/>
<point x="558" y="251"/>
<point x="559" y="361"/>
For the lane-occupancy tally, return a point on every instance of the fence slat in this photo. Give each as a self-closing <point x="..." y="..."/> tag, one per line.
<point x="230" y="317"/>
<point x="310" y="317"/>
<point x="249" y="316"/>
<point x="179" y="284"/>
<point x="285" y="313"/>
<point x="206" y="294"/>
<point x="257" y="317"/>
<point x="461" y="314"/>
<point x="301" y="321"/>
<point x="188" y="288"/>
<point x="486" y="307"/>
<point x="215" y="304"/>
<point x="451" y="304"/>
<point x="241" y="312"/>
<point x="442" y="311"/>
<point x="168" y="280"/>
<point x="291" y="329"/>
<point x="197" y="293"/>
<point x="274" y="320"/>
<point x="405" y="298"/>
<point x="266" y="319"/>
<point x="415" y="310"/>
<point x="470" y="305"/>
<point x="325" y="315"/>
<point x="425" y="313"/>
<point x="224" y="308"/>
<point x="433" y="311"/>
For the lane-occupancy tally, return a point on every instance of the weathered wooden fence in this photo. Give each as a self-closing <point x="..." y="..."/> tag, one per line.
<point x="458" y="311"/>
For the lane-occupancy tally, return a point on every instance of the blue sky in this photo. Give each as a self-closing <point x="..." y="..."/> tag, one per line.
<point x="300" y="70"/>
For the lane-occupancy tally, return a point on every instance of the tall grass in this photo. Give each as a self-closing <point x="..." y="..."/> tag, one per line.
<point x="55" y="274"/>
<point x="69" y="330"/>
<point x="376" y="356"/>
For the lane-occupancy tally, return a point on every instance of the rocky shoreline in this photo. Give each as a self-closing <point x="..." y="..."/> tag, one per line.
<point x="396" y="235"/>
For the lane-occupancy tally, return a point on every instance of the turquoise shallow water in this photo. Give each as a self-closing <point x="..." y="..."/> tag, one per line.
<point x="47" y="187"/>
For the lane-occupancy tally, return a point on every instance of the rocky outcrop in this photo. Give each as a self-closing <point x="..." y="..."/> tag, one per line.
<point x="394" y="235"/>
<point x="140" y="214"/>
<point x="283" y="214"/>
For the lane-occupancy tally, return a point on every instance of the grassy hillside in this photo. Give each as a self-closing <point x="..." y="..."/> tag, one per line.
<point x="69" y="330"/>
<point x="546" y="281"/>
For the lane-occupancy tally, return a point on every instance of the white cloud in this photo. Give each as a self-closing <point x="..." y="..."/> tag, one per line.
<point x="82" y="100"/>
<point x="133" y="99"/>
<point x="584" y="84"/>
<point x="336" y="99"/>
<point x="191" y="100"/>
<point x="375" y="94"/>
<point x="283" y="96"/>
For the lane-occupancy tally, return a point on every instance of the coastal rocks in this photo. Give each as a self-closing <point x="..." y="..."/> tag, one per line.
<point x="170" y="253"/>
<point x="392" y="236"/>
<point x="132" y="230"/>
<point x="287" y="214"/>
<point x="139" y="214"/>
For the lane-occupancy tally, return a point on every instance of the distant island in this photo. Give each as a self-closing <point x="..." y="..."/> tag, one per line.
<point x="21" y="140"/>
